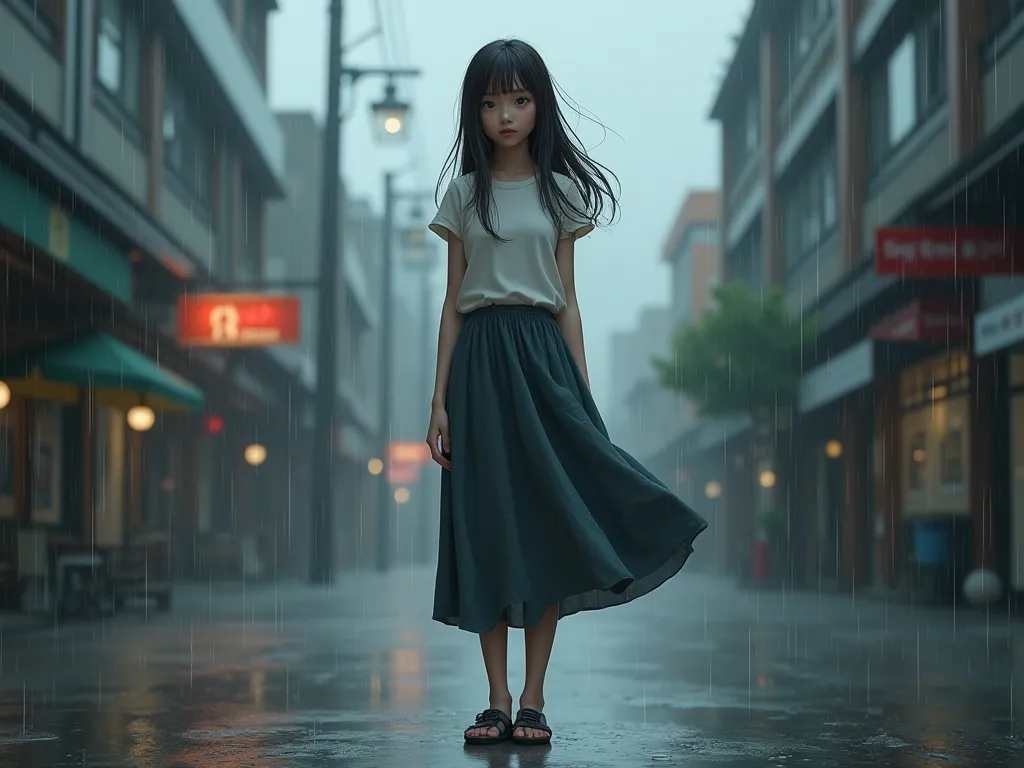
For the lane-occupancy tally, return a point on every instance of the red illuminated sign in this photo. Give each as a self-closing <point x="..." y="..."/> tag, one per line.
<point x="403" y="474"/>
<point x="925" y="320"/>
<point x="237" y="320"/>
<point x="947" y="251"/>
<point x="409" y="452"/>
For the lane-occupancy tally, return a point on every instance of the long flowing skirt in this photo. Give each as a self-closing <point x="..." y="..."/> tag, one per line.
<point x="540" y="507"/>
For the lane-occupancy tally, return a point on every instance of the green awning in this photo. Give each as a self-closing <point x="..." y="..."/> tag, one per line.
<point x="106" y="364"/>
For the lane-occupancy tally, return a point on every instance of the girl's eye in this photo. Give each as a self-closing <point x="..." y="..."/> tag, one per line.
<point x="521" y="101"/>
<point x="488" y="105"/>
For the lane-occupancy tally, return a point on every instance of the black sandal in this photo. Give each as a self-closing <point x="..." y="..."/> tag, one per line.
<point x="531" y="718"/>
<point x="490" y="718"/>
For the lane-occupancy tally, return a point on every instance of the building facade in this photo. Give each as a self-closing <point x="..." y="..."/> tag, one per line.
<point x="138" y="152"/>
<point x="852" y="123"/>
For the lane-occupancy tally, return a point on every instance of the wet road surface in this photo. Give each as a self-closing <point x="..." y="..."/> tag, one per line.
<point x="695" y="674"/>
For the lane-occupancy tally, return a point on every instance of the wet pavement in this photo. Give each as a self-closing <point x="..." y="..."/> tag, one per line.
<point x="696" y="674"/>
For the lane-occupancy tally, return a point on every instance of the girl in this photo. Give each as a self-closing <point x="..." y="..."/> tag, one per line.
<point x="541" y="516"/>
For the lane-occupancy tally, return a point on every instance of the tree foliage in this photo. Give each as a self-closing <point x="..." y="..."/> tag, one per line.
<point x="744" y="355"/>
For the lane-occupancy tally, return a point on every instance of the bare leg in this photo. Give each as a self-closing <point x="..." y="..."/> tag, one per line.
<point x="494" y="645"/>
<point x="539" y="641"/>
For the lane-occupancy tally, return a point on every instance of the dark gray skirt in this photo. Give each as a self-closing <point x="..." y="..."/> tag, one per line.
<point x="540" y="507"/>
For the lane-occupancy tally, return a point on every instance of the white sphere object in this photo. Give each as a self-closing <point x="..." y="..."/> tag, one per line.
<point x="982" y="587"/>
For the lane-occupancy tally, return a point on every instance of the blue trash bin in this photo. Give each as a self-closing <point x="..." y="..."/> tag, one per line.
<point x="932" y="543"/>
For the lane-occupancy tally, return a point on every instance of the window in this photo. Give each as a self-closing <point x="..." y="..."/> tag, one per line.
<point x="187" y="144"/>
<point x="43" y="17"/>
<point x="901" y="102"/>
<point x="253" y="252"/>
<point x="743" y="135"/>
<point x="806" y="25"/>
<point x="744" y="262"/>
<point x="910" y="87"/>
<point x="809" y="204"/>
<point x="118" y="55"/>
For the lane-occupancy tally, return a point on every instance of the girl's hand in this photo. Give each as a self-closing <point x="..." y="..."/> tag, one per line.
<point x="437" y="437"/>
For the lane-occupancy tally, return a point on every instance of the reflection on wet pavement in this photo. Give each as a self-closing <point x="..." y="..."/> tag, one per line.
<point x="695" y="674"/>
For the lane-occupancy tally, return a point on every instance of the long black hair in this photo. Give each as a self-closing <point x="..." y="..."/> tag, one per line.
<point x="504" y="66"/>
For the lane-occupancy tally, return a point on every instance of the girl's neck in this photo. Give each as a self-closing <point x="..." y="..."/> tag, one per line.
<point x="512" y="163"/>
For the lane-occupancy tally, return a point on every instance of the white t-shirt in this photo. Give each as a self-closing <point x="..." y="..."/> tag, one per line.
<point x="521" y="270"/>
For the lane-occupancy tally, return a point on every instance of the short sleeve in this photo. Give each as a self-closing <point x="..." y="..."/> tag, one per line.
<point x="449" y="214"/>
<point x="573" y="224"/>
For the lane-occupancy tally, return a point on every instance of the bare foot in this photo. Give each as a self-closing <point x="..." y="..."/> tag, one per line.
<point x="490" y="732"/>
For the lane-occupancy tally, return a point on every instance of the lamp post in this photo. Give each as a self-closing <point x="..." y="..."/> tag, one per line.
<point x="392" y="112"/>
<point x="384" y="423"/>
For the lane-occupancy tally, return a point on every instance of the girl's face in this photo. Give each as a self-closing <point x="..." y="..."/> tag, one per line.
<point x="508" y="118"/>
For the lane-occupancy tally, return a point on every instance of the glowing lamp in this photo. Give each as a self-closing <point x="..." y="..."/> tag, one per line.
<point x="833" y="449"/>
<point x="375" y="466"/>
<point x="402" y="495"/>
<point x="766" y="479"/>
<point x="255" y="454"/>
<point x="713" y="489"/>
<point x="214" y="424"/>
<point x="5" y="395"/>
<point x="141" y="418"/>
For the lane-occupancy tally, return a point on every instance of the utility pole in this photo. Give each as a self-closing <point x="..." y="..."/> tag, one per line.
<point x="321" y="567"/>
<point x="384" y="422"/>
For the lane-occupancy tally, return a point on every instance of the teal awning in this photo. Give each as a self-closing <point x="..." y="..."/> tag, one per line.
<point x="106" y="364"/>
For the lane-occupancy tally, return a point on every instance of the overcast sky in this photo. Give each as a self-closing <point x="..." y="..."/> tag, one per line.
<point x="647" y="70"/>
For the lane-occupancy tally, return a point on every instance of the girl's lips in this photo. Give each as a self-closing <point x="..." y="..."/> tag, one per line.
<point x="506" y="132"/>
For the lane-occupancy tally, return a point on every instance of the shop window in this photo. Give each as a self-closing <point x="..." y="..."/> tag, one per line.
<point x="46" y="463"/>
<point x="118" y="55"/>
<point x="935" y="423"/>
<point x="951" y="459"/>
<point x="187" y="145"/>
<point x="911" y="84"/>
<point x="43" y="17"/>
<point x="7" y="463"/>
<point x="917" y="454"/>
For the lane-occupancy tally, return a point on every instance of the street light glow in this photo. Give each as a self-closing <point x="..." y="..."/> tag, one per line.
<point x="375" y="466"/>
<point x="255" y="454"/>
<point x="5" y="395"/>
<point x="767" y="479"/>
<point x="393" y="125"/>
<point x="713" y="489"/>
<point x="402" y="495"/>
<point x="141" y="418"/>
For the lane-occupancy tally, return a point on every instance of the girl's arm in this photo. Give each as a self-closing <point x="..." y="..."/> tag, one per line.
<point x="569" y="319"/>
<point x="451" y="319"/>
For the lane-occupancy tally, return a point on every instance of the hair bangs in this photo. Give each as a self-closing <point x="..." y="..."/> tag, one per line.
<point x="508" y="71"/>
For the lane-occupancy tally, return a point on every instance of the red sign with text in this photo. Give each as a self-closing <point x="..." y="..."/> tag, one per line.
<point x="947" y="251"/>
<point x="925" y="320"/>
<point x="237" y="320"/>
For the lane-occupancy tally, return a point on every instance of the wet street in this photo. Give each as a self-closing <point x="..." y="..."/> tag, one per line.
<point x="696" y="674"/>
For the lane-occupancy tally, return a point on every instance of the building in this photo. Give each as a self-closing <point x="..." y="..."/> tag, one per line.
<point x="137" y="152"/>
<point x="293" y="229"/>
<point x="846" y="123"/>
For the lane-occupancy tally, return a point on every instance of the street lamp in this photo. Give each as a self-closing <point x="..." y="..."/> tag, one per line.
<point x="402" y="495"/>
<point x="141" y="418"/>
<point x="390" y="113"/>
<point x="375" y="466"/>
<point x="5" y="395"/>
<point x="332" y="217"/>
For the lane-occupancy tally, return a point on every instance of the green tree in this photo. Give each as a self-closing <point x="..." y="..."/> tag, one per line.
<point x="743" y="357"/>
